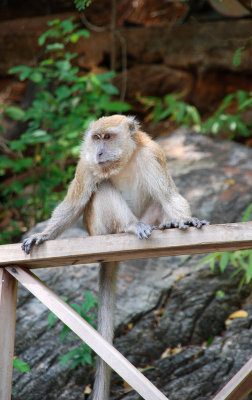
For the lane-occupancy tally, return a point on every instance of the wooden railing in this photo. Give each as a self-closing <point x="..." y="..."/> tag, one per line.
<point x="15" y="266"/>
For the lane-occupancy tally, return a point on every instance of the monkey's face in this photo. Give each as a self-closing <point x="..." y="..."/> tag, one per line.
<point x="109" y="143"/>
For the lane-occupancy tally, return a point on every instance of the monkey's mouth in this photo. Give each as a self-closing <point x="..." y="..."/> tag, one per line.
<point x="106" y="162"/>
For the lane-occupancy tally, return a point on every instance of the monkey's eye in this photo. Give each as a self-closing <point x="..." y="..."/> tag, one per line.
<point x="107" y="136"/>
<point x="96" y="137"/>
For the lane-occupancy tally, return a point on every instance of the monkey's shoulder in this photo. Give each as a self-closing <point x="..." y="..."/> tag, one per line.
<point x="149" y="149"/>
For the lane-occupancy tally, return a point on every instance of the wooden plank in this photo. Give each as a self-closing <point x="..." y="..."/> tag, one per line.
<point x="8" y="301"/>
<point x="239" y="386"/>
<point x="87" y="333"/>
<point x="119" y="247"/>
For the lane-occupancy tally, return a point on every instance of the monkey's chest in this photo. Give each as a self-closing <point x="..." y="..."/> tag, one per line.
<point x="132" y="192"/>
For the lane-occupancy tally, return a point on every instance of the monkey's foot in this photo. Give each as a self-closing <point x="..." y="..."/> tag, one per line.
<point x="29" y="242"/>
<point x="143" y="230"/>
<point x="184" y="224"/>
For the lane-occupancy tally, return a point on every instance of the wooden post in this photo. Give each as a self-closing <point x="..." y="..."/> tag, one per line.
<point x="8" y="302"/>
<point x="87" y="333"/>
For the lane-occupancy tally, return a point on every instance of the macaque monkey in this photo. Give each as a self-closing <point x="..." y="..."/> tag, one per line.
<point x="121" y="184"/>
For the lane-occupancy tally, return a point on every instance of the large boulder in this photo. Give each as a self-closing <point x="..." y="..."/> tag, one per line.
<point x="170" y="317"/>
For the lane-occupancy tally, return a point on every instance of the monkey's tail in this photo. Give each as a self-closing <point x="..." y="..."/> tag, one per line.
<point x="107" y="292"/>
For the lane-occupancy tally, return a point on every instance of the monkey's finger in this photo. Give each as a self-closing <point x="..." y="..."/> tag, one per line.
<point x="182" y="226"/>
<point x="167" y="225"/>
<point x="147" y="233"/>
<point x="140" y="235"/>
<point x="27" y="244"/>
<point x="205" y="222"/>
<point x="175" y="224"/>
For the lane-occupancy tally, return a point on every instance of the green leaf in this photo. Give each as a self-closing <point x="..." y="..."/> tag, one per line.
<point x="6" y="162"/>
<point x="74" y="38"/>
<point x="22" y="70"/>
<point x="68" y="356"/>
<point x="68" y="26"/>
<point x="22" y="164"/>
<point x="193" y="112"/>
<point x="237" y="56"/>
<point x="208" y="258"/>
<point x="53" y="22"/>
<point x="15" y="112"/>
<point x="180" y="112"/>
<point x="83" y="32"/>
<point x="36" y="76"/>
<point x="209" y="341"/>
<point x="53" y="32"/>
<point x="75" y="307"/>
<point x="220" y="294"/>
<point x="246" y="104"/>
<point x="109" y="88"/>
<point x="21" y="365"/>
<point x="106" y="76"/>
<point x="55" y="46"/>
<point x="51" y="320"/>
<point x="116" y="106"/>
<point x="64" y="332"/>
<point x="224" y="261"/>
<point x="76" y="362"/>
<point x="247" y="213"/>
<point x="63" y="92"/>
<point x="82" y="4"/>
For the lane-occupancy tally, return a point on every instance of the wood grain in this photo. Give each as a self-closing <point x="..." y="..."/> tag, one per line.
<point x="87" y="333"/>
<point x="119" y="247"/>
<point x="8" y="301"/>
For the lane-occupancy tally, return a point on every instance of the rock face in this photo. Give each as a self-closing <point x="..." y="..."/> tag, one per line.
<point x="193" y="58"/>
<point x="169" y="317"/>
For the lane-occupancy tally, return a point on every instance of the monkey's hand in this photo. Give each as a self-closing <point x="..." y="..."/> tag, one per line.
<point x="184" y="224"/>
<point x="143" y="230"/>
<point x="35" y="239"/>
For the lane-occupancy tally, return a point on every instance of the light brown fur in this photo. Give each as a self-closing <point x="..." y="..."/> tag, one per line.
<point x="121" y="184"/>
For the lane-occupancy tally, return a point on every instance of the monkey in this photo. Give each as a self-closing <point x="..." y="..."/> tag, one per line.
<point x="121" y="184"/>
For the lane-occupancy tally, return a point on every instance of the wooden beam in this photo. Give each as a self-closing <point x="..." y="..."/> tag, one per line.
<point x="119" y="247"/>
<point x="239" y="386"/>
<point x="87" y="333"/>
<point x="8" y="301"/>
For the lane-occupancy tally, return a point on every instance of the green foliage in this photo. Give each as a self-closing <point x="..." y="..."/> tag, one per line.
<point x="240" y="259"/>
<point x="82" y="354"/>
<point x="20" y="365"/>
<point x="238" y="56"/>
<point x="228" y="116"/>
<point x="232" y="121"/>
<point x="171" y="107"/>
<point x="82" y="4"/>
<point x="41" y="161"/>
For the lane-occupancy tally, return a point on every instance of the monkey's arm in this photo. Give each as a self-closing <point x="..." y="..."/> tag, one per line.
<point x="175" y="210"/>
<point x="67" y="212"/>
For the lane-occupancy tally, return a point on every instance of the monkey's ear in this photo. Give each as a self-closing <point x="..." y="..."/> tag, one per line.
<point x="89" y="128"/>
<point x="134" y="125"/>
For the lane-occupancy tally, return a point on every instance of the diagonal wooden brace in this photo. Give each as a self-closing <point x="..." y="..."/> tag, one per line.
<point x="87" y="333"/>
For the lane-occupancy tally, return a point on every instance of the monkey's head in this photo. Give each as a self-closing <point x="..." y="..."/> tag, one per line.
<point x="109" y="143"/>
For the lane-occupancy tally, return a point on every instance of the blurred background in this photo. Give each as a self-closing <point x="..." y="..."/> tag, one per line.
<point x="184" y="68"/>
